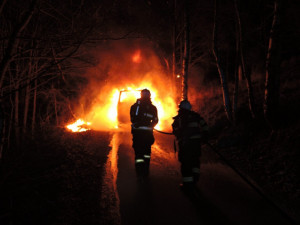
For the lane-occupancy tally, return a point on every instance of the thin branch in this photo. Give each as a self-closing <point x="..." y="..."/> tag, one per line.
<point x="13" y="42"/>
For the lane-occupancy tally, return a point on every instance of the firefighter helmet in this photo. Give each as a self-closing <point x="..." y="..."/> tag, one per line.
<point x="145" y="93"/>
<point x="185" y="104"/>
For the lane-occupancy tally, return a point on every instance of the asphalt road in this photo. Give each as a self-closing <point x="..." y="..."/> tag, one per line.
<point x="222" y="197"/>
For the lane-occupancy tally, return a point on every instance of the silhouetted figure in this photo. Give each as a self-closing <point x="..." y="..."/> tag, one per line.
<point x="191" y="131"/>
<point x="143" y="116"/>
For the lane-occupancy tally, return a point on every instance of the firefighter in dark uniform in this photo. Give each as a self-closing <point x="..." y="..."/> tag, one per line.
<point x="191" y="131"/>
<point x="143" y="116"/>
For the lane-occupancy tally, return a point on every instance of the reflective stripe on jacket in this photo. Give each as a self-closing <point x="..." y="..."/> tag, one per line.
<point x="143" y="115"/>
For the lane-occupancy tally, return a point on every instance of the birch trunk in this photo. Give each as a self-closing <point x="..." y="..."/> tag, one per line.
<point x="34" y="107"/>
<point x="245" y="73"/>
<point x="17" y="125"/>
<point x="272" y="83"/>
<point x="10" y="125"/>
<point x="237" y="76"/>
<point x="2" y="130"/>
<point x="55" y="108"/>
<point x="236" y="91"/>
<point x="223" y="78"/>
<point x="186" y="54"/>
<point x="174" y="49"/>
<point x="27" y="98"/>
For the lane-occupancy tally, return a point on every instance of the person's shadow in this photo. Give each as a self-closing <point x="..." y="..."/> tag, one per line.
<point x="207" y="212"/>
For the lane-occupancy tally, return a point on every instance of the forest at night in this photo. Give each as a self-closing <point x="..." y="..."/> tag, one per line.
<point x="70" y="70"/>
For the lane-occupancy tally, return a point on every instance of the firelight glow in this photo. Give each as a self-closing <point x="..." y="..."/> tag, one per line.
<point x="137" y="57"/>
<point x="166" y="109"/>
<point x="109" y="102"/>
<point x="79" y="126"/>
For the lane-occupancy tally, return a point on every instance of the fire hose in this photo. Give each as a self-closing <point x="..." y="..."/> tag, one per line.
<point x="244" y="177"/>
<point x="162" y="132"/>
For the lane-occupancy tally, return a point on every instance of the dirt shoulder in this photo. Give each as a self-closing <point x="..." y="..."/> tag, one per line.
<point x="268" y="158"/>
<point x="55" y="179"/>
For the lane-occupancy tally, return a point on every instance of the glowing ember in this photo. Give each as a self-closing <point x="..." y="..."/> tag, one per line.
<point x="79" y="126"/>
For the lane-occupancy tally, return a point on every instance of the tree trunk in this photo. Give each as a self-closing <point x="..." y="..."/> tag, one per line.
<point x="27" y="98"/>
<point x="10" y="124"/>
<point x="223" y="78"/>
<point x="272" y="83"/>
<point x="17" y="125"/>
<point x="186" y="54"/>
<point x="236" y="91"/>
<point x="34" y="107"/>
<point x="174" y="49"/>
<point x="237" y="74"/>
<point x="245" y="73"/>
<point x="2" y="130"/>
<point x="55" y="109"/>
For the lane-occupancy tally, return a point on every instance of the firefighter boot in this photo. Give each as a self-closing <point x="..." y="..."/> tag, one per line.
<point x="147" y="165"/>
<point x="140" y="169"/>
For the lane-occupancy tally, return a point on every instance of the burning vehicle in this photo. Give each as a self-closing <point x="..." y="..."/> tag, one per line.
<point x="126" y="99"/>
<point x="115" y="113"/>
<point x="127" y="72"/>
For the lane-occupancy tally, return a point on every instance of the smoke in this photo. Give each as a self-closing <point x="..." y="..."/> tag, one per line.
<point x="119" y="66"/>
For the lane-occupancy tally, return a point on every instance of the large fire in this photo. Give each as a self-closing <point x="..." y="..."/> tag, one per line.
<point x="110" y="109"/>
<point x="166" y="109"/>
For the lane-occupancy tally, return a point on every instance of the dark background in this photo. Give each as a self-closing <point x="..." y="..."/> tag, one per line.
<point x="47" y="47"/>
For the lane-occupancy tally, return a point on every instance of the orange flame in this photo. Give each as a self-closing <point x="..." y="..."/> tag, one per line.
<point x="79" y="126"/>
<point x="107" y="116"/>
<point x="114" y="98"/>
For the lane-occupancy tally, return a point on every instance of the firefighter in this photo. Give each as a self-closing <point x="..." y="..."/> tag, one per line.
<point x="190" y="130"/>
<point x="143" y="116"/>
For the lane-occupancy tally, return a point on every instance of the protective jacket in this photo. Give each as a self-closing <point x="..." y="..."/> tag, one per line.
<point x="189" y="125"/>
<point x="143" y="115"/>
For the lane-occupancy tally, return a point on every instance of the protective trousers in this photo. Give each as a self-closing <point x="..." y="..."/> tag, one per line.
<point x="189" y="157"/>
<point x="142" y="141"/>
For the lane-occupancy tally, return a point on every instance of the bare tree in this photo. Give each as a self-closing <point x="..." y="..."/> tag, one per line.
<point x="245" y="72"/>
<point x="13" y="41"/>
<point x="223" y="78"/>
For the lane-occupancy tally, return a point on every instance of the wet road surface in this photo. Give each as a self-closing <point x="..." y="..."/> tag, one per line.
<point x="222" y="197"/>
